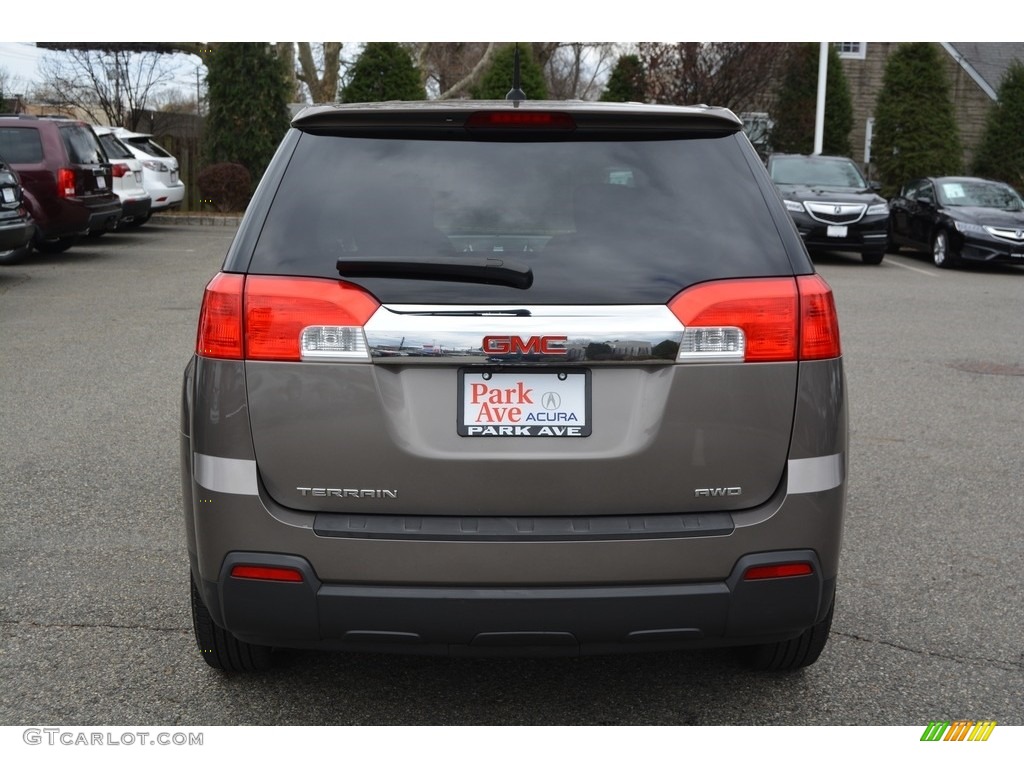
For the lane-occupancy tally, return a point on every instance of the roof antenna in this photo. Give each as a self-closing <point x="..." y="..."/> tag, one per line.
<point x="516" y="94"/>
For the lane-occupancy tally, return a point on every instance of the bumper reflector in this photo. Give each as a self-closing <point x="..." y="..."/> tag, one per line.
<point x="265" y="573"/>
<point x="778" y="571"/>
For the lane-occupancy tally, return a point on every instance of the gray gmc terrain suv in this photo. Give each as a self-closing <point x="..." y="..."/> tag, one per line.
<point x="514" y="377"/>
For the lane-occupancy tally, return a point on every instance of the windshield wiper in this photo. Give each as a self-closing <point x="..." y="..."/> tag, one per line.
<point x="488" y="270"/>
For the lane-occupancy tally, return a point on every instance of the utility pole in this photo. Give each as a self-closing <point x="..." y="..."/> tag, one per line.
<point x="819" y="115"/>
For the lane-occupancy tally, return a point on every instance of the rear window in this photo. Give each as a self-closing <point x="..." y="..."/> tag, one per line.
<point x="148" y="146"/>
<point x="614" y="222"/>
<point x="115" y="149"/>
<point x="21" y="145"/>
<point x="82" y="145"/>
<point x="816" y="170"/>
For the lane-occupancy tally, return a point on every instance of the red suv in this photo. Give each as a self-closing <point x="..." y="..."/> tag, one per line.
<point x="65" y="175"/>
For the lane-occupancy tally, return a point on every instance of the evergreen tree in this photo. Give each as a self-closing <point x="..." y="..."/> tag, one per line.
<point x="626" y="82"/>
<point x="1001" y="154"/>
<point x="795" y="108"/>
<point x="384" y="72"/>
<point x="496" y="81"/>
<point x="915" y="130"/>
<point x="247" y="87"/>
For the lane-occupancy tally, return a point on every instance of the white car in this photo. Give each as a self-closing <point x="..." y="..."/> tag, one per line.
<point x="159" y="169"/>
<point x="126" y="179"/>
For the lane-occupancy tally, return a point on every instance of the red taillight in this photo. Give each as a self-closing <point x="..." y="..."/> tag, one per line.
<point x="819" y="322"/>
<point x="277" y="309"/>
<point x="778" y="571"/>
<point x="265" y="573"/>
<point x="119" y="170"/>
<point x="220" y="319"/>
<point x="521" y="119"/>
<point x="66" y="182"/>
<point x="781" y="319"/>
<point x="764" y="309"/>
<point x="263" y="318"/>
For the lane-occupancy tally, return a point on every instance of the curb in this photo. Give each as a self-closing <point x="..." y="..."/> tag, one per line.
<point x="195" y="219"/>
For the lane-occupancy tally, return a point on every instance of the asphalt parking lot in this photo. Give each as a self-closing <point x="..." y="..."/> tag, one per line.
<point x="94" y="619"/>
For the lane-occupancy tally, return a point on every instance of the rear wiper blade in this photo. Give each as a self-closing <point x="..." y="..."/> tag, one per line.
<point x="489" y="270"/>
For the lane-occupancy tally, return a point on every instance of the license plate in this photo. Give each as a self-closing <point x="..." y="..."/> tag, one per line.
<point x="503" y="403"/>
<point x="8" y="195"/>
<point x="101" y="183"/>
<point x="836" y="231"/>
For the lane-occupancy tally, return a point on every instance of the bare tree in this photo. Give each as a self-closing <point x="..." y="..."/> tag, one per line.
<point x="579" y="70"/>
<point x="450" y="69"/>
<point x="739" y="76"/>
<point x="319" y="69"/>
<point x="113" y="87"/>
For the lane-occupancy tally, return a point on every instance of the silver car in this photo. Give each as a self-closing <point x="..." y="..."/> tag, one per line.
<point x="515" y="378"/>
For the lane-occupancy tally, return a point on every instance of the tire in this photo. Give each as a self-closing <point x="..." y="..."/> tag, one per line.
<point x="221" y="649"/>
<point x="135" y="223"/>
<point x="873" y="257"/>
<point x="55" y="246"/>
<point x="794" y="654"/>
<point x="18" y="255"/>
<point x="942" y="256"/>
<point x="95" y="233"/>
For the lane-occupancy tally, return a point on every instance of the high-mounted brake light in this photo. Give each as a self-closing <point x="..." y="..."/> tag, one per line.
<point x="774" y="319"/>
<point x="561" y="121"/>
<point x="266" y="573"/>
<point x="66" y="182"/>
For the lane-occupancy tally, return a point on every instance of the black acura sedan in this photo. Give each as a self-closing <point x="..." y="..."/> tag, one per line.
<point x="959" y="218"/>
<point x="833" y="206"/>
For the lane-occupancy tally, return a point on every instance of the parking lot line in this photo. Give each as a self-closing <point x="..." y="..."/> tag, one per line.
<point x="926" y="272"/>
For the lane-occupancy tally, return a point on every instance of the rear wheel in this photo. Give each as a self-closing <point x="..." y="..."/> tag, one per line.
<point x="18" y="255"/>
<point x="790" y="655"/>
<point x="221" y="649"/>
<point x="59" y="245"/>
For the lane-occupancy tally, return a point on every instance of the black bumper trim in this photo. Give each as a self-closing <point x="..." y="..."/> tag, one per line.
<point x="530" y="620"/>
<point x="593" y="528"/>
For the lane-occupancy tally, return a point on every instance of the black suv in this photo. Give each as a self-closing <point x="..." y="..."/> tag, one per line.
<point x="66" y="177"/>
<point x="514" y="377"/>
<point x="832" y="205"/>
<point x="16" y="225"/>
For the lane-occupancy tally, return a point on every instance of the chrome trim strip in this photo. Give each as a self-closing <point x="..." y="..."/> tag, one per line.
<point x="848" y="213"/>
<point x="821" y="473"/>
<point x="222" y="475"/>
<point x="406" y="333"/>
<point x="1012" y="234"/>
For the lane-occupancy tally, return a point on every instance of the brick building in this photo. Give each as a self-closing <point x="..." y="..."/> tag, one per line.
<point x="974" y="72"/>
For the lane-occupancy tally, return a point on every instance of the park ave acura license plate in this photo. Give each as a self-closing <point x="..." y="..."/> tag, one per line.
<point x="503" y="403"/>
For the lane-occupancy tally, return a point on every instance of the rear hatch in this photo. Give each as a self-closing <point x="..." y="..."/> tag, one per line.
<point x="520" y="314"/>
<point x="90" y="172"/>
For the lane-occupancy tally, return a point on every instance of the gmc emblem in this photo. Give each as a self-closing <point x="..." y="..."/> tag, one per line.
<point x="534" y="345"/>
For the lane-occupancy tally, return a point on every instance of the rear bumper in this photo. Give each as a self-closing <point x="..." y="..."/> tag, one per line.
<point x="517" y="620"/>
<point x="15" y="232"/>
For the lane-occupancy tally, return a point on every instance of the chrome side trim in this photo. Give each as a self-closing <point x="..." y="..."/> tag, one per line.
<point x="221" y="475"/>
<point x="408" y="333"/>
<point x="822" y="473"/>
